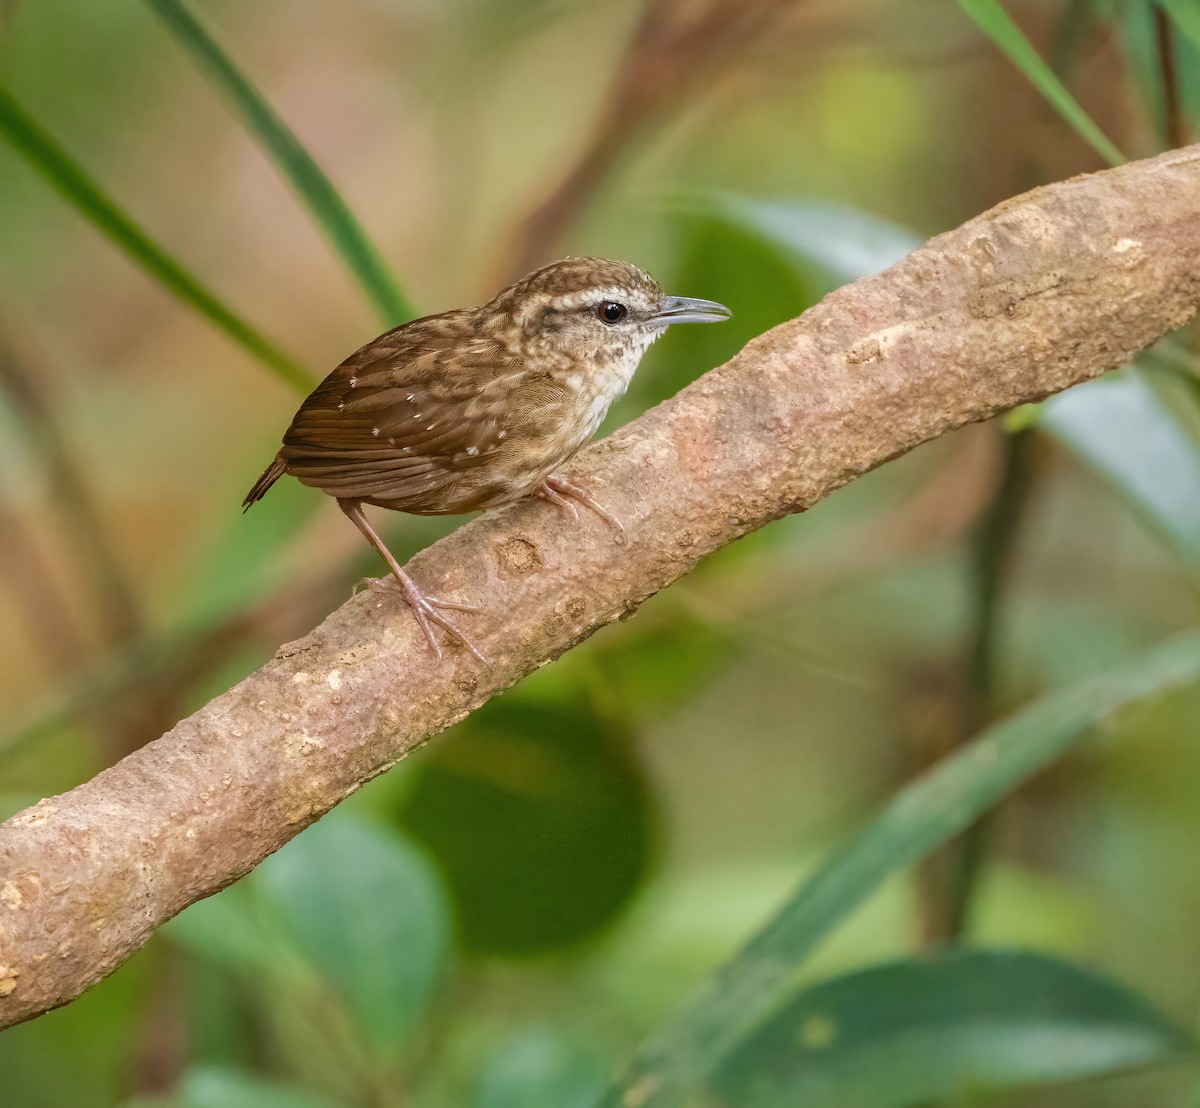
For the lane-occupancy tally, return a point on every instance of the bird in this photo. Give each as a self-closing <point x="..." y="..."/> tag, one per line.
<point x="475" y="408"/>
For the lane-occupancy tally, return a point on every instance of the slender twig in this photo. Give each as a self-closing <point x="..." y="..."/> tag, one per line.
<point x="956" y="869"/>
<point x="677" y="46"/>
<point x="79" y="518"/>
<point x="1175" y="123"/>
<point x="37" y="595"/>
<point x="991" y="557"/>
<point x="1043" y="292"/>
<point x="84" y="536"/>
<point x="159" y="667"/>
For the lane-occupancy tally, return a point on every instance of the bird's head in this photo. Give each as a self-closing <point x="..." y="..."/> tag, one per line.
<point x="599" y="314"/>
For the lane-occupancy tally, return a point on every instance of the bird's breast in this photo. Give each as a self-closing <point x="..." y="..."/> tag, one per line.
<point x="550" y="418"/>
<point x="589" y="395"/>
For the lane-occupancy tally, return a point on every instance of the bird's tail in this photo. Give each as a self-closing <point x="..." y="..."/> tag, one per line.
<point x="271" y="474"/>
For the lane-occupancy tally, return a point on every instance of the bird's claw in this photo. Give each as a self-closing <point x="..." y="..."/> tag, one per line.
<point x="426" y="611"/>
<point x="425" y="608"/>
<point x="560" y="491"/>
<point x="555" y="497"/>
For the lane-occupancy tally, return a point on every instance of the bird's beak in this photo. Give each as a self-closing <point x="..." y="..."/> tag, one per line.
<point x="685" y="309"/>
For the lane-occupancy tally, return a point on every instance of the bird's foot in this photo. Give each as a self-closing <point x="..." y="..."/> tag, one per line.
<point x="560" y="491"/>
<point x="425" y="608"/>
<point x="388" y="583"/>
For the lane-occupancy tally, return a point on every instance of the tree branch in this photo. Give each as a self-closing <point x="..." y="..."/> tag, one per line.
<point x="1040" y="293"/>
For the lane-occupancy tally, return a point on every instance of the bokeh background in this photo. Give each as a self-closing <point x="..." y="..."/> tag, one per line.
<point x="505" y="917"/>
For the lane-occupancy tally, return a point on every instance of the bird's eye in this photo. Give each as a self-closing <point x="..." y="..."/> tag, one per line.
<point x="611" y="312"/>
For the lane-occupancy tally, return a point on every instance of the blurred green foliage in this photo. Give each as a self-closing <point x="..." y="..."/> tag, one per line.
<point x="539" y="818"/>
<point x="952" y="1025"/>
<point x="505" y="918"/>
<point x="751" y="989"/>
<point x="346" y="933"/>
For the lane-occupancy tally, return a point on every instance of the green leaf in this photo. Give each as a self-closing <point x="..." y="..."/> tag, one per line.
<point x="537" y="1067"/>
<point x="79" y="1055"/>
<point x="996" y="23"/>
<point x="846" y="243"/>
<point x="328" y="209"/>
<point x="736" y="267"/>
<point x="1121" y="427"/>
<point x="235" y="929"/>
<point x="927" y="812"/>
<point x="346" y="920"/>
<point x="44" y="154"/>
<point x="369" y="915"/>
<point x="539" y="820"/>
<point x="661" y="665"/>
<point x="1185" y="14"/>
<point x="215" y="1087"/>
<point x="944" y="1027"/>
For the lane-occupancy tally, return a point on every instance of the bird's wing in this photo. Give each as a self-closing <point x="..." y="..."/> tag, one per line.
<point x="404" y="416"/>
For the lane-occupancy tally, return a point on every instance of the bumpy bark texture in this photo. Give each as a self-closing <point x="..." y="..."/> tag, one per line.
<point x="1044" y="291"/>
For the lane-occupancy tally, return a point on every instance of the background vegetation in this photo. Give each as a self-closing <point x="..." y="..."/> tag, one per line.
<point x="737" y="778"/>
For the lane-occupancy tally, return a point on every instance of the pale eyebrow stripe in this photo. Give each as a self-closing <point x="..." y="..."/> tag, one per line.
<point x="589" y="296"/>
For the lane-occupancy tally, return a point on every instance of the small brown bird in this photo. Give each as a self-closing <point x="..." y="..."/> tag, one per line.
<point x="475" y="408"/>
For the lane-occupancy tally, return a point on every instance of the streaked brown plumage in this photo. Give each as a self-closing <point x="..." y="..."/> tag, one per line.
<point x="475" y="408"/>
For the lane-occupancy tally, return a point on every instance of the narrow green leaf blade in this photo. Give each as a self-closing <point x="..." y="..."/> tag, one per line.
<point x="941" y="1028"/>
<point x="1122" y="429"/>
<point x="933" y="808"/>
<point x="61" y="171"/>
<point x="1185" y="14"/>
<point x="328" y="209"/>
<point x="996" y="23"/>
<point x="69" y="178"/>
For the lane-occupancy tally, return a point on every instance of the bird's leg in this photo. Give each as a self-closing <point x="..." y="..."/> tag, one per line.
<point x="560" y="491"/>
<point x="424" y="607"/>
